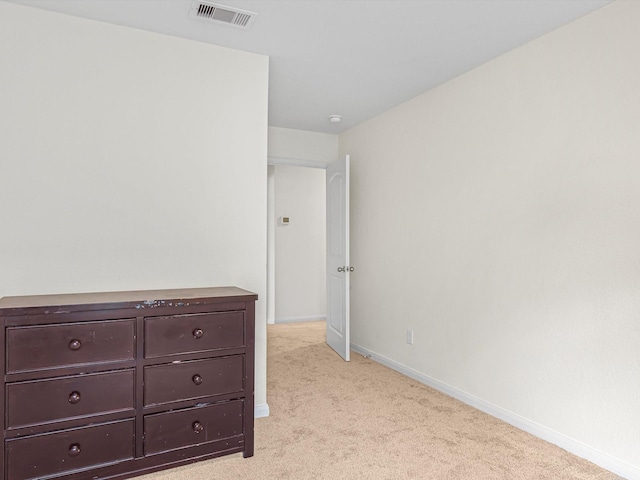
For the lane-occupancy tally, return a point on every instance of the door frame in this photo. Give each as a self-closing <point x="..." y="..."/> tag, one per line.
<point x="271" y="224"/>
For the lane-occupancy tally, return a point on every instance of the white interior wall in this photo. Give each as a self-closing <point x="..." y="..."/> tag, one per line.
<point x="497" y="217"/>
<point x="300" y="275"/>
<point x="300" y="147"/>
<point x="118" y="170"/>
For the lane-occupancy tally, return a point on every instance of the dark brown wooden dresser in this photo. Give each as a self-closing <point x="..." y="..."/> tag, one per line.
<point x="114" y="385"/>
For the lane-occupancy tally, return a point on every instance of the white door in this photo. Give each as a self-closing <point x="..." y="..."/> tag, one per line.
<point x="338" y="269"/>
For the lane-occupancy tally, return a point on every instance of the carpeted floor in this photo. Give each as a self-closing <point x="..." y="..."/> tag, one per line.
<point x="360" y="420"/>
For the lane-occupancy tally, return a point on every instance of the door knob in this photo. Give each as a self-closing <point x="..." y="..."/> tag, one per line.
<point x="341" y="269"/>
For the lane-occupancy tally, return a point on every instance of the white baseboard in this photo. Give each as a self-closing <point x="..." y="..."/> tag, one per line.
<point x="613" y="464"/>
<point x="310" y="318"/>
<point x="261" y="411"/>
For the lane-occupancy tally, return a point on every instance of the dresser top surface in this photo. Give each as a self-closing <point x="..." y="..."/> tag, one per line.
<point x="128" y="299"/>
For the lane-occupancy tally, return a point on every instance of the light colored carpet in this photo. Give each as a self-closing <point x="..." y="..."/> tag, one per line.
<point x="360" y="420"/>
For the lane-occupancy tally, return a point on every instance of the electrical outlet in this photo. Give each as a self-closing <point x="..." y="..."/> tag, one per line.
<point x="409" y="336"/>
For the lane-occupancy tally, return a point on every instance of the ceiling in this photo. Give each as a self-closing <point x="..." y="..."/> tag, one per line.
<point x="356" y="58"/>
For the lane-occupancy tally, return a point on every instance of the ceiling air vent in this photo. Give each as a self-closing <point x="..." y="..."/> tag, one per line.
<point x="212" y="12"/>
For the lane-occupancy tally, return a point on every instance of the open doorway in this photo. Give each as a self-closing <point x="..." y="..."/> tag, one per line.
<point x="297" y="244"/>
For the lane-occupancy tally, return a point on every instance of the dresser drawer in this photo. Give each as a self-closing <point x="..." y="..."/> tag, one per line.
<point x="69" y="450"/>
<point x="193" y="333"/>
<point x="64" y="398"/>
<point x="194" y="379"/>
<point x="50" y="346"/>
<point x="168" y="431"/>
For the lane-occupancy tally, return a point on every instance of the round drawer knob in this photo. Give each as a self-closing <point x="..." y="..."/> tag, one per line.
<point x="75" y="345"/>
<point x="74" y="398"/>
<point x="197" y="379"/>
<point x="74" y="449"/>
<point x="197" y="427"/>
<point x="198" y="333"/>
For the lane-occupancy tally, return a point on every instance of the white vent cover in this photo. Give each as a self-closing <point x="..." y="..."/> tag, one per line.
<point x="212" y="12"/>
